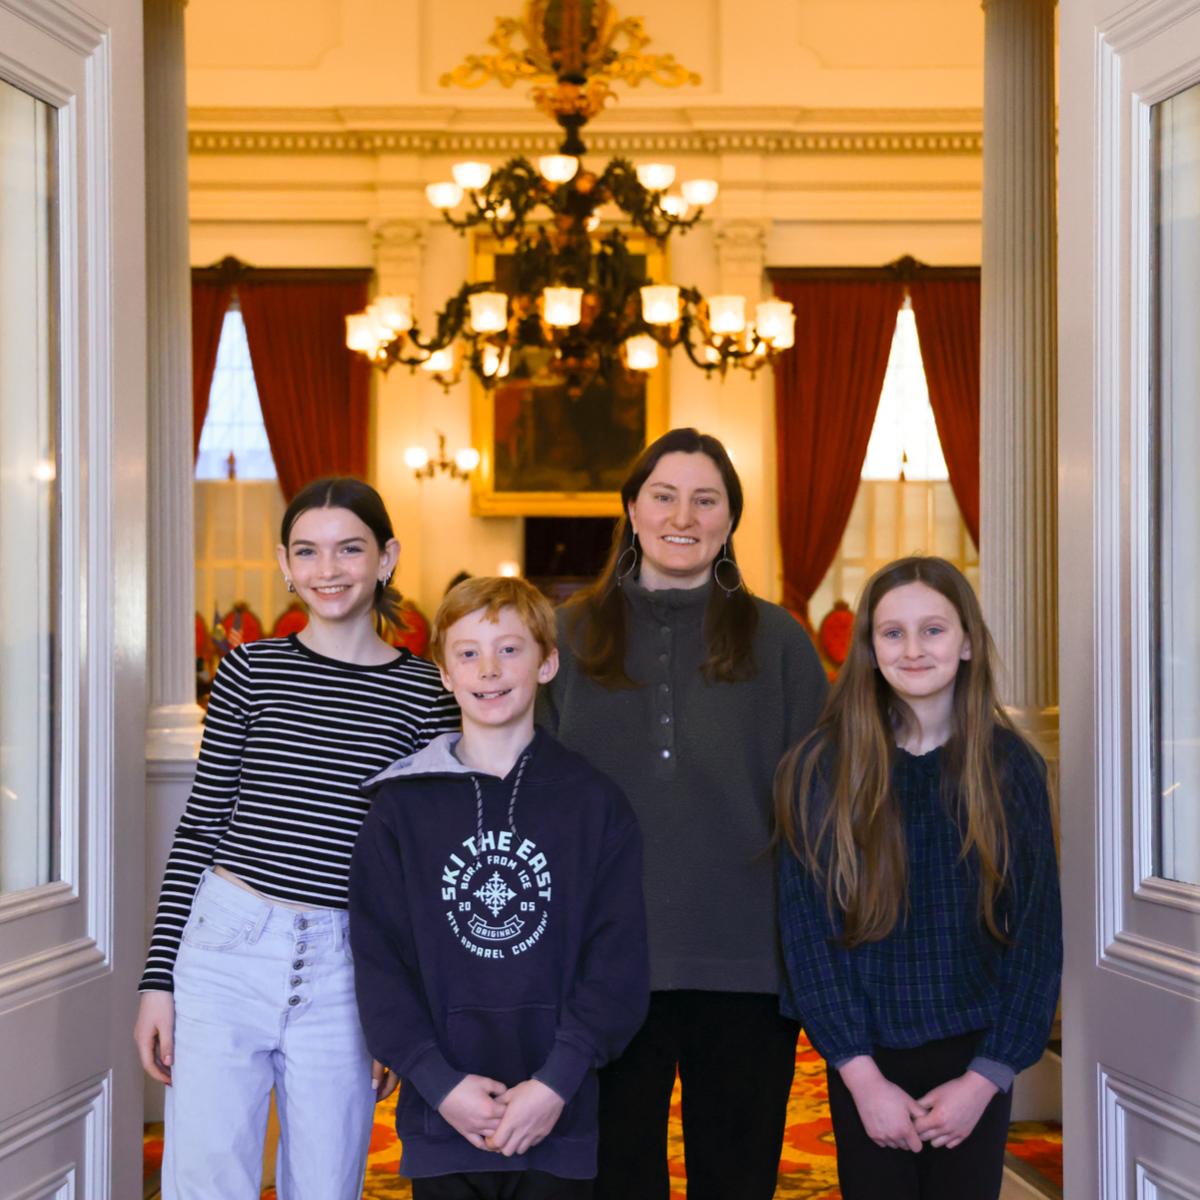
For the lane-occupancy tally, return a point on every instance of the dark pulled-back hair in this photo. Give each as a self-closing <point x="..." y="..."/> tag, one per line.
<point x="598" y="617"/>
<point x="344" y="491"/>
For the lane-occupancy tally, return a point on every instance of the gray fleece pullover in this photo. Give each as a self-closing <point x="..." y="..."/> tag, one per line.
<point x="696" y="761"/>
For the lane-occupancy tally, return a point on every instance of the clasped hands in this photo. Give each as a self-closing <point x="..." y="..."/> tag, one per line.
<point x="506" y="1120"/>
<point x="943" y="1117"/>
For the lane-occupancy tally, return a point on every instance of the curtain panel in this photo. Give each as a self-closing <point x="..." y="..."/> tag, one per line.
<point x="948" y="329"/>
<point x="826" y="394"/>
<point x="210" y="302"/>
<point x="315" y="393"/>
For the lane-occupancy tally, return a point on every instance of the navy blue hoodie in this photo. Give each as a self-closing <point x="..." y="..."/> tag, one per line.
<point x="498" y="929"/>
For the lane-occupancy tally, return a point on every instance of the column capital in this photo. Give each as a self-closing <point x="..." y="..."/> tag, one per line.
<point x="741" y="254"/>
<point x="399" y="250"/>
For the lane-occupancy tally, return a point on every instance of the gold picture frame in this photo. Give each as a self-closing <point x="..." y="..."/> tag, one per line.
<point x="542" y="454"/>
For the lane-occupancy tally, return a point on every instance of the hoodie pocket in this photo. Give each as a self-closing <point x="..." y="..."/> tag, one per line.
<point x="506" y="1044"/>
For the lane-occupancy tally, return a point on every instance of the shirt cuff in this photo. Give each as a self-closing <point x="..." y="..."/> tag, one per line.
<point x="993" y="1071"/>
<point x="433" y="1077"/>
<point x="563" y="1070"/>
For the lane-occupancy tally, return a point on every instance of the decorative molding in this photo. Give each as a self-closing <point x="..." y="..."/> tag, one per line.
<point x="1122" y="1098"/>
<point x="741" y="247"/>
<point x="1132" y="927"/>
<point x="1155" y="1184"/>
<point x="17" y="905"/>
<point x="440" y="115"/>
<point x="52" y="970"/>
<point x="399" y="248"/>
<point x="171" y="771"/>
<point x="1156" y="962"/>
<point x="59" y="1185"/>
<point x="75" y="28"/>
<point x="93" y="641"/>
<point x="927" y="142"/>
<point x="90" y="1101"/>
<point x="1171" y="892"/>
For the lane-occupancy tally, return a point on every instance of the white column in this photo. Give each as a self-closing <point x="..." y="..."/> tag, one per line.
<point x="1019" y="448"/>
<point x="747" y="409"/>
<point x="173" y="718"/>
<point x="173" y="722"/>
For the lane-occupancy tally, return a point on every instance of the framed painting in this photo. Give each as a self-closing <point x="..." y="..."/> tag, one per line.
<point x="542" y="452"/>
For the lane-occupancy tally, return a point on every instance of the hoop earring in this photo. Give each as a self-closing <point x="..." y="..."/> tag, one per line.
<point x="291" y="587"/>
<point x="622" y="575"/>
<point x="725" y="560"/>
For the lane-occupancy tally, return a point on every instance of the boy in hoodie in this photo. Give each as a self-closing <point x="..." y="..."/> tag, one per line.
<point x="497" y="922"/>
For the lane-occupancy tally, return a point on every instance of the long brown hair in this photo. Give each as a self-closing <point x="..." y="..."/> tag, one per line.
<point x="598" y="618"/>
<point x="834" y="804"/>
<point x="344" y="491"/>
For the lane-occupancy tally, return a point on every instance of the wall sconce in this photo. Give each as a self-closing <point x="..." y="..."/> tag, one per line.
<point x="509" y="569"/>
<point x="425" y="467"/>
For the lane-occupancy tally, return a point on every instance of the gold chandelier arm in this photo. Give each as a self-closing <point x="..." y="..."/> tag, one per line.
<point x="511" y="65"/>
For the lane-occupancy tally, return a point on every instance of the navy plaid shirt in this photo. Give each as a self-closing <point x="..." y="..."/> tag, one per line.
<point x="938" y="973"/>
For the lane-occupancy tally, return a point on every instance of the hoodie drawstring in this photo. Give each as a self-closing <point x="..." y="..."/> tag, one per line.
<point x="512" y="800"/>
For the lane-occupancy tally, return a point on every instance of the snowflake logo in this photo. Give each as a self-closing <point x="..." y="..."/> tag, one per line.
<point x="495" y="894"/>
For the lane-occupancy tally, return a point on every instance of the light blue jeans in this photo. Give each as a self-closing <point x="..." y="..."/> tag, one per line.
<point x="264" y="997"/>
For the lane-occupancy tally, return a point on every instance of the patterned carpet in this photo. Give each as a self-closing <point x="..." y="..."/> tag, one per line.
<point x="807" y="1169"/>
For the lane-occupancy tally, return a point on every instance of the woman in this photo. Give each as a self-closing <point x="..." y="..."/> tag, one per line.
<point x="919" y="895"/>
<point x="248" y="983"/>
<point x="687" y="691"/>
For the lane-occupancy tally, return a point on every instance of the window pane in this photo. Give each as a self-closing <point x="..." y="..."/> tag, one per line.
<point x="904" y="436"/>
<point x="233" y="424"/>
<point x="1177" y="130"/>
<point x="29" y="504"/>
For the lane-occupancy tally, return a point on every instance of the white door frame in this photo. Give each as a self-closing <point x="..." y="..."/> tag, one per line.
<point x="70" y="1090"/>
<point x="1131" y="1023"/>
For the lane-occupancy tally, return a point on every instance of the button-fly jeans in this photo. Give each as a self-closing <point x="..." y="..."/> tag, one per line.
<point x="264" y="997"/>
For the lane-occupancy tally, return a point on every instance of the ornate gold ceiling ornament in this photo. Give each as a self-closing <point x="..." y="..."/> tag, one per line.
<point x="573" y="51"/>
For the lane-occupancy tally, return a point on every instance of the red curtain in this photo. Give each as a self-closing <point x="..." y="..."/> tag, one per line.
<point x="210" y="301"/>
<point x="947" y="313"/>
<point x="315" y="393"/>
<point x="826" y="393"/>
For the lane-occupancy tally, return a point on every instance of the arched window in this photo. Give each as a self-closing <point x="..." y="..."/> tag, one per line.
<point x="905" y="504"/>
<point x="233" y="443"/>
<point x="237" y="500"/>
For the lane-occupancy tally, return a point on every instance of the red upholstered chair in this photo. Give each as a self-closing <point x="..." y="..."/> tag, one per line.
<point x="291" y="620"/>
<point x="415" y="634"/>
<point x="204" y="646"/>
<point x="833" y="635"/>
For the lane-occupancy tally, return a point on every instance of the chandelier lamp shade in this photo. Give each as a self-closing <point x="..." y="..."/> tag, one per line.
<point x="577" y="292"/>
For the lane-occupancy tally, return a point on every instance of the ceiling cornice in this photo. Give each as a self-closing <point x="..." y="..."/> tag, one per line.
<point x="726" y="141"/>
<point x="692" y="130"/>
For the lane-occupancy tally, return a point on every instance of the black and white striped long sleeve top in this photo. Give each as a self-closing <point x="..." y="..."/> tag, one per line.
<point x="290" y="736"/>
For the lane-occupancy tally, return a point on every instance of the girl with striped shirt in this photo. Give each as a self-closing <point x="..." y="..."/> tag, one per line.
<point x="248" y="983"/>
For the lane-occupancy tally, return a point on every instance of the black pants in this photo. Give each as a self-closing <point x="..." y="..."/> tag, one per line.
<point x="973" y="1170"/>
<point x="736" y="1056"/>
<point x="501" y="1185"/>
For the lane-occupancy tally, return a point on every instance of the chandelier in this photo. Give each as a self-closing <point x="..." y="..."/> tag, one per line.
<point x="578" y="298"/>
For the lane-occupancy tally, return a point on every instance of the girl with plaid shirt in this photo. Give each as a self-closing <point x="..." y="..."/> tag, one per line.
<point x="919" y="901"/>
